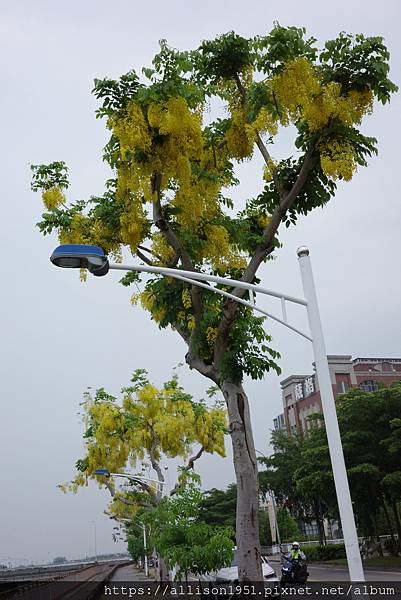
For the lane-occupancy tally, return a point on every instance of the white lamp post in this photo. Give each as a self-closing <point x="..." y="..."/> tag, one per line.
<point x="94" y="259"/>
<point x="134" y="478"/>
<point x="95" y="539"/>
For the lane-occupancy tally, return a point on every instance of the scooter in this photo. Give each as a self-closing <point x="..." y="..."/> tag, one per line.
<point x="293" y="571"/>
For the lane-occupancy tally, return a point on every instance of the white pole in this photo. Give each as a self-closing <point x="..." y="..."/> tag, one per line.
<point x="95" y="537"/>
<point x="330" y="418"/>
<point x="273" y="498"/>
<point x="146" y="551"/>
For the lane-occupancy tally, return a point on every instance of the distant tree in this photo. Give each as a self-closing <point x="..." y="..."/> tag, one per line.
<point x="304" y="502"/>
<point x="218" y="507"/>
<point x="147" y="427"/>
<point x="59" y="560"/>
<point x="173" y="155"/>
<point x="300" y="471"/>
<point x="135" y="544"/>
<point x="288" y="526"/>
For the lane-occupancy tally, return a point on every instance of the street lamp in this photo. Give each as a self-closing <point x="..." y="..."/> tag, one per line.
<point x="145" y="547"/>
<point x="134" y="478"/>
<point x="81" y="256"/>
<point x="95" y="539"/>
<point x="106" y="473"/>
<point x="274" y="507"/>
<point x="95" y="260"/>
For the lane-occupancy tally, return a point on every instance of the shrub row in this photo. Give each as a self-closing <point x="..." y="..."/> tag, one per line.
<point x="328" y="552"/>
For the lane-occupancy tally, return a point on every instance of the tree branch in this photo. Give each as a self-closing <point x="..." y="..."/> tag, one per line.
<point x="195" y="362"/>
<point x="174" y="241"/>
<point x="156" y="466"/>
<point x="149" y="251"/>
<point x="259" y="142"/>
<point x="144" y="258"/>
<point x="265" y="248"/>
<point x="145" y="487"/>
<point x="188" y="467"/>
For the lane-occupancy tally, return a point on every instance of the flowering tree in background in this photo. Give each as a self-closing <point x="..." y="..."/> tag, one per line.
<point x="173" y="153"/>
<point x="142" y="431"/>
<point x="149" y="425"/>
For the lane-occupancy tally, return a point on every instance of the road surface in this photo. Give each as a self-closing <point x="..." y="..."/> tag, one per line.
<point x="327" y="572"/>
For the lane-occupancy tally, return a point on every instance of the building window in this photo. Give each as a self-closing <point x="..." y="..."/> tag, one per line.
<point x="342" y="387"/>
<point x="369" y="385"/>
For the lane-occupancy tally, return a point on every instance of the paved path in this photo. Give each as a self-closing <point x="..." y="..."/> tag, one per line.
<point x="129" y="573"/>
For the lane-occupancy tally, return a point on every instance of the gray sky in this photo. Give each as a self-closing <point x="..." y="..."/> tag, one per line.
<point x="60" y="336"/>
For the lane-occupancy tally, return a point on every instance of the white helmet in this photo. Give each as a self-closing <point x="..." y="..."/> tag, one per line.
<point x="295" y="544"/>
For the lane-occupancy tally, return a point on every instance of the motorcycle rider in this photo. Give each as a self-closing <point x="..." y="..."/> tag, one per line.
<point x="296" y="553"/>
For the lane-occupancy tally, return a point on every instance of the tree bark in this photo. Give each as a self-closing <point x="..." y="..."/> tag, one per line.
<point x="245" y="464"/>
<point x="390" y="527"/>
<point x="317" y="510"/>
<point x="397" y="522"/>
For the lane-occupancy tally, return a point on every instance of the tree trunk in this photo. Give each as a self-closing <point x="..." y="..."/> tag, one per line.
<point x="319" y="522"/>
<point x="390" y="527"/>
<point x="245" y="465"/>
<point x="397" y="522"/>
<point x="162" y="570"/>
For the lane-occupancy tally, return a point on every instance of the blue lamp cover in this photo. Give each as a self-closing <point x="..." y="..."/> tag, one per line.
<point x="78" y="249"/>
<point x="102" y="472"/>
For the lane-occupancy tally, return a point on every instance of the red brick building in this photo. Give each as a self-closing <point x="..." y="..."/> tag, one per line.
<point x="301" y="396"/>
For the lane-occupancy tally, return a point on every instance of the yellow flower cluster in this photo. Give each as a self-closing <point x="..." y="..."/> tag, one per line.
<point x="132" y="130"/>
<point x="264" y="123"/>
<point x="268" y="170"/>
<point x="163" y="252"/>
<point x="52" y="198"/>
<point x="302" y="95"/>
<point x="240" y="136"/>
<point x="211" y="334"/>
<point x="208" y="430"/>
<point x="147" y="301"/>
<point x="132" y="222"/>
<point x="294" y="87"/>
<point x="163" y="421"/>
<point x="186" y="298"/>
<point x="218" y="251"/>
<point x="78" y="231"/>
<point x="199" y="199"/>
<point x="337" y="159"/>
<point x="170" y="133"/>
<point x="264" y="220"/>
<point x="83" y="230"/>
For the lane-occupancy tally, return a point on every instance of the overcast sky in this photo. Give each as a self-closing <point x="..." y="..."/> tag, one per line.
<point x="60" y="336"/>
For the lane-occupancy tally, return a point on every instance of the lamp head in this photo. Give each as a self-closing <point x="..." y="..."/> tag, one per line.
<point x="302" y="251"/>
<point x="81" y="256"/>
<point x="104" y="472"/>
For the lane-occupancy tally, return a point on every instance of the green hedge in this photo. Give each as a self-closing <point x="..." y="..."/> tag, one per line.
<point x="328" y="552"/>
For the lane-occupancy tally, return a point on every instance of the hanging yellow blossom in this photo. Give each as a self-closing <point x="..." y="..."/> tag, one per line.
<point x="295" y="86"/>
<point x="211" y="334"/>
<point x="78" y="231"/>
<point x="337" y="158"/>
<point x="191" y="322"/>
<point x="302" y="95"/>
<point x="52" y="198"/>
<point x="132" y="222"/>
<point x="264" y="123"/>
<point x="240" y="137"/>
<point x="218" y="251"/>
<point x="132" y="130"/>
<point x="163" y="252"/>
<point x="186" y="298"/>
